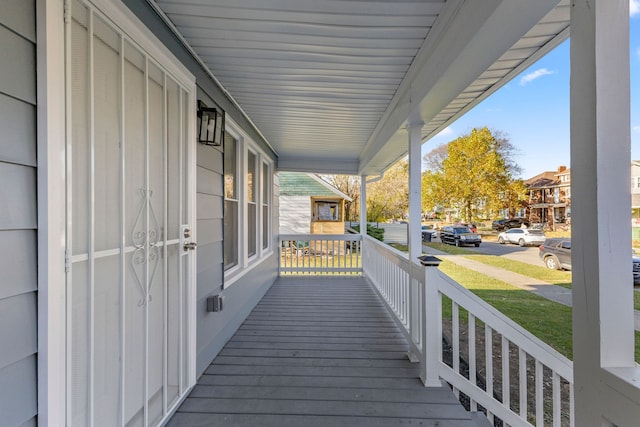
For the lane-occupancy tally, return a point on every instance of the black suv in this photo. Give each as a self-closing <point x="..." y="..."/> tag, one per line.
<point x="507" y="223"/>
<point x="459" y="235"/>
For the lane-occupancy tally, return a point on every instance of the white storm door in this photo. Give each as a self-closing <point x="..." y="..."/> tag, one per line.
<point x="128" y="189"/>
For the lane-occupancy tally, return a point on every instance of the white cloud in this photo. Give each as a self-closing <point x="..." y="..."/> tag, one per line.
<point x="634" y="7"/>
<point x="528" y="78"/>
<point x="635" y="128"/>
<point x="446" y="131"/>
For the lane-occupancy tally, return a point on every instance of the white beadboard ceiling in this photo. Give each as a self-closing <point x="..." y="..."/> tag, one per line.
<point x="332" y="84"/>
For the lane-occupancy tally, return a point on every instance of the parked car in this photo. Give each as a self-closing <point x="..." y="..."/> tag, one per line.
<point x="428" y="233"/>
<point x="556" y="254"/>
<point x="522" y="237"/>
<point x="459" y="235"/>
<point x="507" y="223"/>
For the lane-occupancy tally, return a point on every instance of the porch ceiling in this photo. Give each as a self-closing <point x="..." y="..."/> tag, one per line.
<point x="332" y="84"/>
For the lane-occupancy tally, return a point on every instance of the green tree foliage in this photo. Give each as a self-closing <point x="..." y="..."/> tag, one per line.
<point x="477" y="171"/>
<point x="389" y="197"/>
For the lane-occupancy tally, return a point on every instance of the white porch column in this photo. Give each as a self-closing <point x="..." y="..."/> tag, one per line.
<point x="363" y="204"/>
<point x="415" y="191"/>
<point x="603" y="335"/>
<point x="414" y="235"/>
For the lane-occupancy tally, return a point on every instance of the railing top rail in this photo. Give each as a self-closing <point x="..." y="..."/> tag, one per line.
<point x="305" y="237"/>
<point x="508" y="328"/>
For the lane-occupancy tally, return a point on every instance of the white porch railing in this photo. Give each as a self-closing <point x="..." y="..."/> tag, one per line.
<point x="509" y="372"/>
<point x="336" y="254"/>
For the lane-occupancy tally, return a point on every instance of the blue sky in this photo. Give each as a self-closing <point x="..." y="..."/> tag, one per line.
<point x="533" y="109"/>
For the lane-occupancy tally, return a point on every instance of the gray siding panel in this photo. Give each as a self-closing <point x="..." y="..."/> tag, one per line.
<point x="17" y="197"/>
<point x="18" y="215"/>
<point x="209" y="207"/>
<point x="19" y="16"/>
<point x="215" y="329"/>
<point x="18" y="395"/>
<point x="209" y="231"/>
<point x="210" y="158"/>
<point x="18" y="329"/>
<point x="33" y="422"/>
<point x="18" y="74"/>
<point x="18" y="253"/>
<point x="209" y="182"/>
<point x="18" y="124"/>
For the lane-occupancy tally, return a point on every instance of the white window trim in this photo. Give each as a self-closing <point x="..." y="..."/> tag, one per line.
<point x="265" y="164"/>
<point x="244" y="144"/>
<point x="51" y="146"/>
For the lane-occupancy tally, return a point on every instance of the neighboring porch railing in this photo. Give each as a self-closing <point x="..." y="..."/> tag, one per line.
<point x="492" y="361"/>
<point x="335" y="254"/>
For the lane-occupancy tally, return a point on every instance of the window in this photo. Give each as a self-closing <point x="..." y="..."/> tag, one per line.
<point x="327" y="210"/>
<point x="231" y="212"/>
<point x="247" y="207"/>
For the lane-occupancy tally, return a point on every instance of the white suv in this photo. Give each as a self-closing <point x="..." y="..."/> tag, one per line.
<point x="522" y="236"/>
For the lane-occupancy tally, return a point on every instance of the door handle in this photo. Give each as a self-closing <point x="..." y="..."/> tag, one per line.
<point x="189" y="246"/>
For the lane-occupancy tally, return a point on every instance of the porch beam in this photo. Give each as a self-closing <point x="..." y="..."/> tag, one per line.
<point x="603" y="335"/>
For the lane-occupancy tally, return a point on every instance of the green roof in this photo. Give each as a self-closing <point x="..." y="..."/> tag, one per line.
<point x="304" y="184"/>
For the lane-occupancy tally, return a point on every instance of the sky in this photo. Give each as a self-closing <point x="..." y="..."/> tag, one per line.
<point x="532" y="110"/>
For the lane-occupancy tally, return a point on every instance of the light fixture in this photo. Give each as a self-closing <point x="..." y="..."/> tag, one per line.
<point x="210" y="125"/>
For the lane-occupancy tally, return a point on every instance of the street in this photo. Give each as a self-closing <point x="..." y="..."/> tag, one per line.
<point x="528" y="254"/>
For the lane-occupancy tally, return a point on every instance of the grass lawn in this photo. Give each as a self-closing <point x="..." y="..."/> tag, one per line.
<point x="636" y="300"/>
<point x="547" y="320"/>
<point x="450" y="249"/>
<point x="557" y="277"/>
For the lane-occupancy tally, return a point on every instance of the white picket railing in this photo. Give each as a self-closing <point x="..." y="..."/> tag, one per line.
<point x="320" y="254"/>
<point x="543" y="381"/>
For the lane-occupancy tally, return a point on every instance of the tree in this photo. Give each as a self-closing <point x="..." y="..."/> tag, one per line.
<point x="349" y="185"/>
<point x="389" y="197"/>
<point x="474" y="173"/>
<point x="434" y="158"/>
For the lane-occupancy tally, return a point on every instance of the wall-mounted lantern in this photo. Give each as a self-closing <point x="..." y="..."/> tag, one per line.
<point x="210" y="125"/>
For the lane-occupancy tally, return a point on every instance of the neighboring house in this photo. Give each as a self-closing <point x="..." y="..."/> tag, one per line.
<point x="108" y="306"/>
<point x="309" y="204"/>
<point x="550" y="197"/>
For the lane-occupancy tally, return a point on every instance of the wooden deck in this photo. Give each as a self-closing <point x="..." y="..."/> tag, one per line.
<point x="318" y="352"/>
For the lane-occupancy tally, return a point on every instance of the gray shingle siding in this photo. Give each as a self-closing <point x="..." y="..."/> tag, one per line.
<point x="18" y="214"/>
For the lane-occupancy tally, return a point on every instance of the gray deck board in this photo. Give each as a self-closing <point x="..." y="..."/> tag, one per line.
<point x="318" y="352"/>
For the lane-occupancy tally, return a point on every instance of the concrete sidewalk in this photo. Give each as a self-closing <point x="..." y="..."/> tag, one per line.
<point x="546" y="290"/>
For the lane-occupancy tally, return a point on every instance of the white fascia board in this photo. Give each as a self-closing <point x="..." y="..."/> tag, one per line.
<point x="466" y="40"/>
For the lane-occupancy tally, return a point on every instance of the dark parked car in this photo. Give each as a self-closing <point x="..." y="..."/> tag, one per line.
<point x="507" y="223"/>
<point x="556" y="254"/>
<point x="459" y="235"/>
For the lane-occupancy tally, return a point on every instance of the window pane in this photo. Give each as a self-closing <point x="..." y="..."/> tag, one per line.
<point x="230" y="172"/>
<point x="265" y="183"/>
<point x="265" y="227"/>
<point x="230" y="234"/>
<point x="251" y="177"/>
<point x="252" y="229"/>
